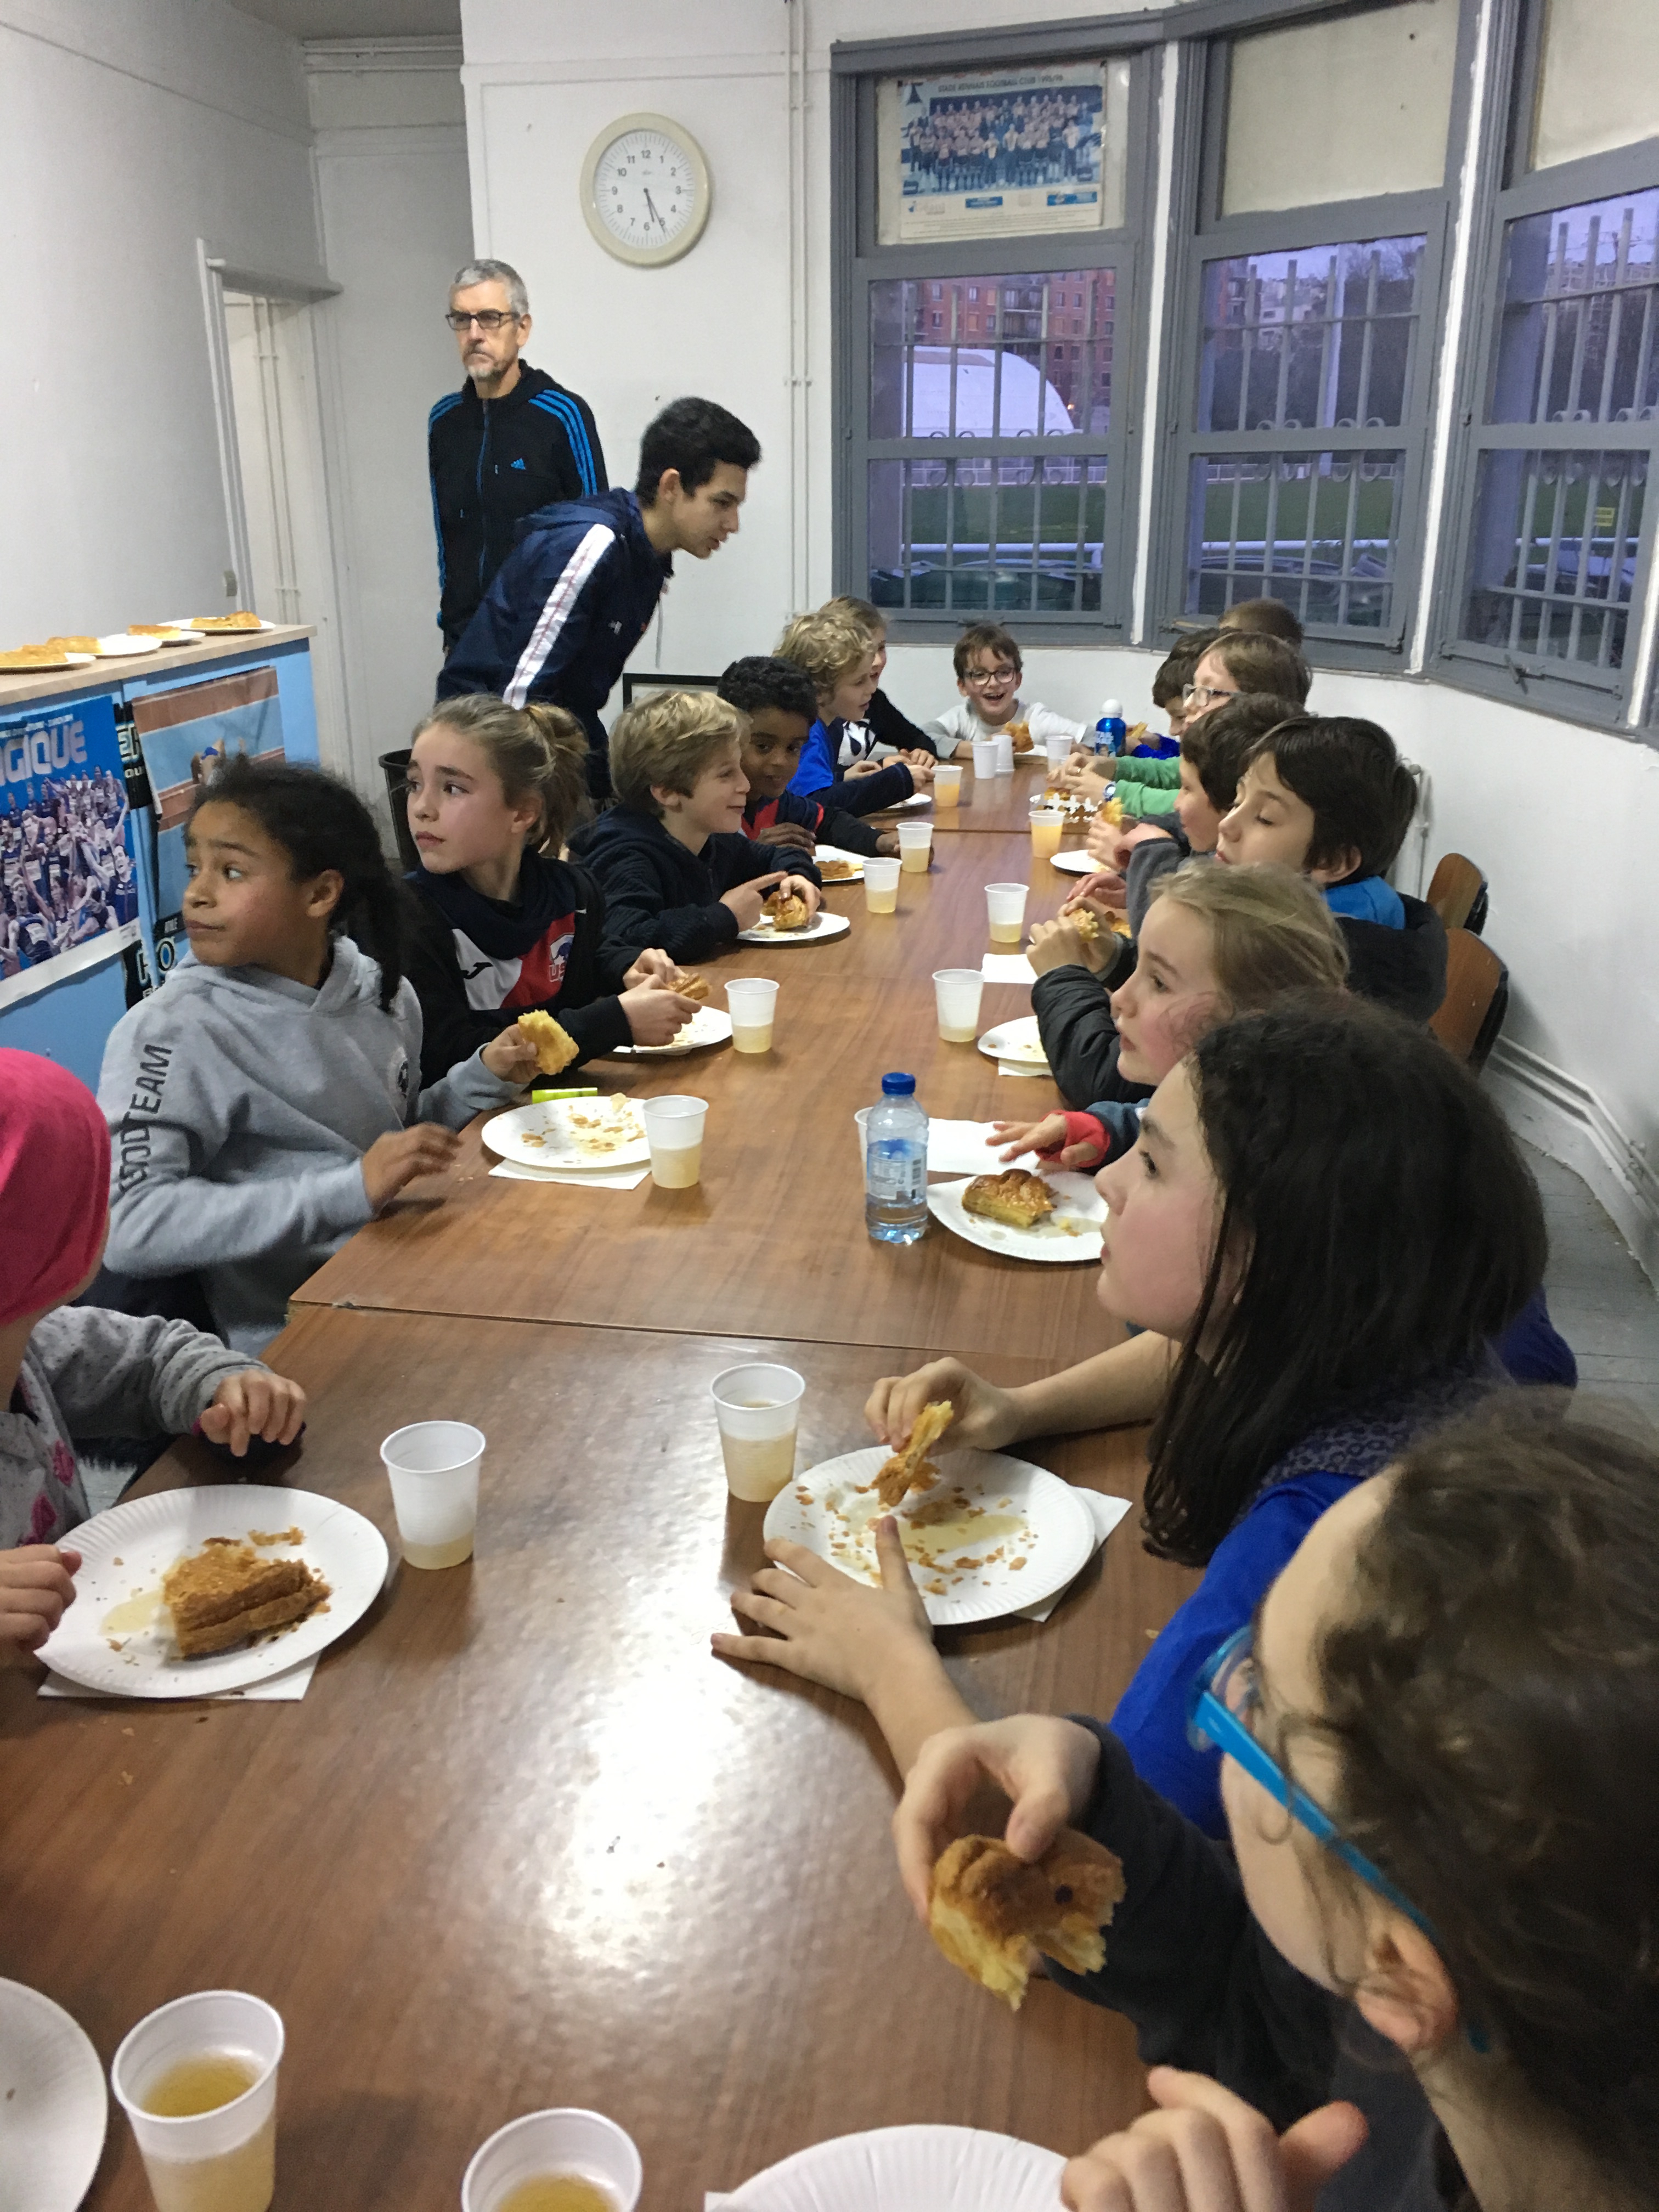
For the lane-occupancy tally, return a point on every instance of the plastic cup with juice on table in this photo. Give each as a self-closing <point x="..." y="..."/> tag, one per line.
<point x="433" y="1466"/>
<point x="757" y="1409"/>
<point x="673" y="1129"/>
<point x="1047" y="828"/>
<point x="567" y="2160"/>
<point x="197" y="2079"/>
<point x="916" y="847"/>
<point x="1006" y="912"/>
<point x="881" y="875"/>
<point x="947" y="785"/>
<point x="752" y="1002"/>
<point x="956" y="993"/>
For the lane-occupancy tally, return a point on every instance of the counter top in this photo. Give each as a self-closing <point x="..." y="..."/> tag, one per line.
<point x="176" y="660"/>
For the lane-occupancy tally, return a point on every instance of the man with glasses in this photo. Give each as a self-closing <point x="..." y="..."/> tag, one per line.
<point x="510" y="440"/>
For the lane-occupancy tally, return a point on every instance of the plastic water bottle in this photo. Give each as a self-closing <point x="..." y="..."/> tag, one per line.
<point x="1111" y="729"/>
<point x="895" y="1164"/>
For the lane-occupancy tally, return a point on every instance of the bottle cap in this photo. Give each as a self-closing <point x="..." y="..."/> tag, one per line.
<point x="898" y="1086"/>
<point x="1112" y="709"/>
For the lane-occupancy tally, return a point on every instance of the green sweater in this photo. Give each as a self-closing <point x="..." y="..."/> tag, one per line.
<point x="1144" y="786"/>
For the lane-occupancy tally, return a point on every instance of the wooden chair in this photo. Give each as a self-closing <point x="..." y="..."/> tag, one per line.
<point x="1469" y="1016"/>
<point x="1457" y="893"/>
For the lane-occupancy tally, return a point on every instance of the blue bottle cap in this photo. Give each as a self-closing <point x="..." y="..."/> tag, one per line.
<point x="898" y="1086"/>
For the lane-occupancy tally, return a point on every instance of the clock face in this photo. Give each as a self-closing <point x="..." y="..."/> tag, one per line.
<point x="645" y="191"/>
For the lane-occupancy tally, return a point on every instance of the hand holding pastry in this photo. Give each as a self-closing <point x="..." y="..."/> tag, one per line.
<point x="513" y="1055"/>
<point x="255" y="1403"/>
<point x="653" y="961"/>
<point x="746" y="900"/>
<point x="35" y="1586"/>
<point x="985" y="1416"/>
<point x="656" y="1015"/>
<point x="1060" y="945"/>
<point x="803" y="887"/>
<point x="825" y="1625"/>
<point x="1206" y="2150"/>
<point x="1046" y="1768"/>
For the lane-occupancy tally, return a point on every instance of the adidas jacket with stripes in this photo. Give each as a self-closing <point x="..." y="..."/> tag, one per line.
<point x="493" y="462"/>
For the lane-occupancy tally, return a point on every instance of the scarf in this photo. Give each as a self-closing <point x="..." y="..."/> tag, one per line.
<point x="546" y="891"/>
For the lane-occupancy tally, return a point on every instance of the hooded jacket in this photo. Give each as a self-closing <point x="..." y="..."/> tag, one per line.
<point x="657" y="891"/>
<point x="240" y="1105"/>
<point x="1406" y="968"/>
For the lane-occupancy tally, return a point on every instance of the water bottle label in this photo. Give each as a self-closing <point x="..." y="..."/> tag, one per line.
<point x="898" y="1173"/>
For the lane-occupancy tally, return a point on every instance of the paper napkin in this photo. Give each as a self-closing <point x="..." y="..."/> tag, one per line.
<point x="288" y="1687"/>
<point x="1007" y="968"/>
<point x="961" y="1148"/>
<point x="1106" y="1513"/>
<point x="583" y="1178"/>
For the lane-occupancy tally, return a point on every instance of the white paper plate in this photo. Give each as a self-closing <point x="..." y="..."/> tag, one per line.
<point x="839" y="852"/>
<point x="915" y="2169"/>
<point x="1050" y="1240"/>
<point x="1020" y="1041"/>
<point x="907" y="805"/>
<point x="184" y="622"/>
<point x="708" y="1026"/>
<point x="546" y="1137"/>
<point x="126" y="1551"/>
<point x="123" y="647"/>
<point x="1075" y="862"/>
<point x="53" y="2109"/>
<point x="1024" y="1513"/>
<point x="824" y="924"/>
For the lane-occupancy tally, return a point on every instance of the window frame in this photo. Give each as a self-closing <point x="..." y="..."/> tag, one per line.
<point x="1603" y="699"/>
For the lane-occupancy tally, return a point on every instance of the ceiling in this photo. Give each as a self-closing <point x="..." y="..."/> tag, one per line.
<point x="357" y="19"/>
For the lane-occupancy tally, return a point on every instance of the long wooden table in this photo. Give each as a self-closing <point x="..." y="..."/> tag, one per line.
<point x="990" y="804"/>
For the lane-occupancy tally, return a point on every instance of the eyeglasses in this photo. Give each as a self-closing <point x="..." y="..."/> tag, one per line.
<point x="1204" y="694"/>
<point x="979" y="678"/>
<point x="1220" y="1691"/>
<point x="488" y="318"/>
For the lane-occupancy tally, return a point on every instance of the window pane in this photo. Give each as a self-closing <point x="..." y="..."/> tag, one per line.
<point x="992" y="356"/>
<point x="1581" y="302"/>
<point x="1552" y="558"/>
<point x="1598" y="64"/>
<point x="1319" y="339"/>
<point x="1342" y="109"/>
<point x="1316" y="530"/>
<point x="1003" y="532"/>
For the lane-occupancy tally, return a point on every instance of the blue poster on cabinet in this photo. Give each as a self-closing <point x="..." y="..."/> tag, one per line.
<point x="69" y="898"/>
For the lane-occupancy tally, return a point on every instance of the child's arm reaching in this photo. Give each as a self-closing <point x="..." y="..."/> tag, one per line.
<point x="116" y="1374"/>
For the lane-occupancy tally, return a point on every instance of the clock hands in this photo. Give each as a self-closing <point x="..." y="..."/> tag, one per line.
<point x="652" y="204"/>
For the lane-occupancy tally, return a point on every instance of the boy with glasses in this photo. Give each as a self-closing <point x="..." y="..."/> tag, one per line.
<point x="988" y="670"/>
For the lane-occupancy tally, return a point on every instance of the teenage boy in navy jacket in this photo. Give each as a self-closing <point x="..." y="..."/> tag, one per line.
<point x="578" y="591"/>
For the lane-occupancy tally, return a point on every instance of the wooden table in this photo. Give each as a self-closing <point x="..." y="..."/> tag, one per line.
<point x="526" y="1842"/>
<point x="989" y="803"/>
<point x="773" y="1241"/>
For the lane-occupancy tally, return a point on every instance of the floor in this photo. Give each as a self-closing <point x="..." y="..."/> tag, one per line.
<point x="1600" y="1299"/>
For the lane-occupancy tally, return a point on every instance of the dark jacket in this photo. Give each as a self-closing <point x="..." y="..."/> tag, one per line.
<point x="1080" y="1038"/>
<point x="1156" y="858"/>
<point x="658" y="892"/>
<point x="888" y="726"/>
<point x="477" y="963"/>
<point x="492" y="463"/>
<point x="1405" y="968"/>
<point x="845" y="831"/>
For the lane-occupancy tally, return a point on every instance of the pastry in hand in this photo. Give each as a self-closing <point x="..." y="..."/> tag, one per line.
<point x="692" y="986"/>
<point x="555" y="1046"/>
<point x="786" y="909"/>
<point x="991" y="1913"/>
<point x="1020" y="732"/>
<point x="1020" y="1199"/>
<point x="1086" y="923"/>
<point x="1111" y="811"/>
<point x="911" y="1468"/>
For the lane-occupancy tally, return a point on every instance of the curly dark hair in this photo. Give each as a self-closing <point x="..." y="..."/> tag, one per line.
<point x="1490" y="1684"/>
<point x="321" y="824"/>
<point x="760" y="681"/>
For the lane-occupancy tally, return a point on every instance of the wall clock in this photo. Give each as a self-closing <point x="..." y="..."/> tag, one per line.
<point x="645" y="190"/>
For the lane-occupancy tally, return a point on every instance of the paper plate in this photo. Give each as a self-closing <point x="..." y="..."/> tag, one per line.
<point x="123" y="647"/>
<point x="553" y="1135"/>
<point x="907" y="805"/>
<point x="53" y="2109"/>
<point x="1075" y="862"/>
<point x="915" y="2169"/>
<point x="839" y="852"/>
<point x="708" y="1026"/>
<point x="986" y="1511"/>
<point x="1070" y="1233"/>
<point x="184" y="622"/>
<point x="1020" y="1041"/>
<point x="823" y="925"/>
<point x="125" y="1552"/>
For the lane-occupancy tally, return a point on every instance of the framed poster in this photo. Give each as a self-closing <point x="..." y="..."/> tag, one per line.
<point x="1002" y="153"/>
<point x="67" y="895"/>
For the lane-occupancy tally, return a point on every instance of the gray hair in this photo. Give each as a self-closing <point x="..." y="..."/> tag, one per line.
<point x="494" y="272"/>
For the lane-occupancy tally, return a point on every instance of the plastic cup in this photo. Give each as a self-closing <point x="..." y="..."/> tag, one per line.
<point x="881" y="876"/>
<point x="1058" y="751"/>
<point x="433" y="1468"/>
<point x="757" y="1409"/>
<point x="1005" y="907"/>
<point x="916" y="847"/>
<point x="861" y="1120"/>
<point x="947" y="786"/>
<point x="1004" y="745"/>
<point x="1047" y="828"/>
<point x="223" y="2160"/>
<point x="673" y="1129"/>
<point x="752" y="1001"/>
<point x="956" y="993"/>
<point x="985" y="758"/>
<point x="543" y="2146"/>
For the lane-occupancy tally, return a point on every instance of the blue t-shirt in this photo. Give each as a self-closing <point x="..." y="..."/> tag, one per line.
<point x="1367" y="898"/>
<point x="818" y="762"/>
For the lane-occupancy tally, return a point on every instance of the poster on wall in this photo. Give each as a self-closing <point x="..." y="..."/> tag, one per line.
<point x="182" y="736"/>
<point x="1002" y="153"/>
<point x="67" y="895"/>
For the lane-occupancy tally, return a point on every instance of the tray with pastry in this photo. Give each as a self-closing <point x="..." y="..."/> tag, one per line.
<point x="1055" y="1217"/>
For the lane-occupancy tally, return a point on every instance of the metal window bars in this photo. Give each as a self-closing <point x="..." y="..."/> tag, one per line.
<point x="1318" y="530"/>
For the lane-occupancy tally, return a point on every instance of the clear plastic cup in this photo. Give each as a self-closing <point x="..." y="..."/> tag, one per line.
<point x="861" y="1122"/>
<point x="223" y="2159"/>
<point x="916" y="847"/>
<point x="1047" y="828"/>
<point x="957" y="994"/>
<point x="752" y="1001"/>
<point x="985" y="758"/>
<point x="433" y="1468"/>
<point x="673" y="1129"/>
<point x="1058" y="751"/>
<point x="550" y="2146"/>
<point x="1006" y="906"/>
<point x="757" y="1409"/>
<point x="947" y="785"/>
<point x="881" y="875"/>
<point x="1005" y="745"/>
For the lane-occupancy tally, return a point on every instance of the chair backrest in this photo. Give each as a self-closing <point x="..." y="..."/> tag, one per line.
<point x="1469" y="1016"/>
<point x="1455" y="887"/>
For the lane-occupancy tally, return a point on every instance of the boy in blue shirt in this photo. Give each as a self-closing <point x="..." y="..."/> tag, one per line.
<point x="779" y="705"/>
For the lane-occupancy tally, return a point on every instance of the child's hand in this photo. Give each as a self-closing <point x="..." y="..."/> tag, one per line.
<point x="655" y="1014"/>
<point x="1046" y="1769"/>
<point x="511" y="1055"/>
<point x="400" y="1156"/>
<point x="887" y="844"/>
<point x="651" y="962"/>
<point x="1059" y="945"/>
<point x="34" y="1589"/>
<point x="921" y="767"/>
<point x="1112" y="846"/>
<point x="827" y="1626"/>
<point x="1081" y="772"/>
<point x="861" y="767"/>
<point x="255" y="1403"/>
<point x="1017" y="1137"/>
<point x="1206" y="2150"/>
<point x="917" y="759"/>
<point x="986" y="1417"/>
<point x="792" y="834"/>
<point x="746" y="900"/>
<point x="805" y="888"/>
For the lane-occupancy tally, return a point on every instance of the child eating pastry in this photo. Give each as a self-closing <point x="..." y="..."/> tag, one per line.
<point x="838" y="654"/>
<point x="779" y="705"/>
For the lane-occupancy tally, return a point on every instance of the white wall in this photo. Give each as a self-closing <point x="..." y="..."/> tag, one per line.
<point x="129" y="129"/>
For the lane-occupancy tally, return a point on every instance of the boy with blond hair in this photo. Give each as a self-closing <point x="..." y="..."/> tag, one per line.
<point x="675" y="867"/>
<point x="837" y="653"/>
